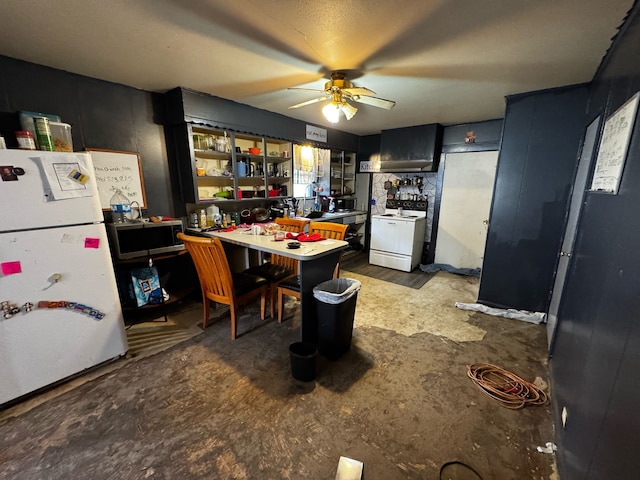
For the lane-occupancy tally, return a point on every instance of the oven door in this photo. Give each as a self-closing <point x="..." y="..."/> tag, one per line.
<point x="393" y="235"/>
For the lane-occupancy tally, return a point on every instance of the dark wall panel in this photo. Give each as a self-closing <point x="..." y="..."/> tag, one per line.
<point x="597" y="349"/>
<point x="537" y="163"/>
<point x="487" y="137"/>
<point x="101" y="114"/>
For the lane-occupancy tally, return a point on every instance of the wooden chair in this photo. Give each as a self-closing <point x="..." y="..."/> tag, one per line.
<point x="291" y="285"/>
<point x="279" y="268"/>
<point x="291" y="224"/>
<point x="337" y="231"/>
<point x="217" y="282"/>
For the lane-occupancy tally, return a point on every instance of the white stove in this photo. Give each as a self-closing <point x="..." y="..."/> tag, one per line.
<point x="397" y="235"/>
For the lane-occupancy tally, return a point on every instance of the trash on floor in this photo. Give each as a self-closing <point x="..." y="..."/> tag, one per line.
<point x="548" y="448"/>
<point x="525" y="316"/>
<point x="349" y="469"/>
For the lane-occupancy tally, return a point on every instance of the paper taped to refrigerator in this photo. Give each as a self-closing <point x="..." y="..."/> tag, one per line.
<point x="67" y="176"/>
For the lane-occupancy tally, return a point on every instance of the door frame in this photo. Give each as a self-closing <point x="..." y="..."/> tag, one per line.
<point x="584" y="169"/>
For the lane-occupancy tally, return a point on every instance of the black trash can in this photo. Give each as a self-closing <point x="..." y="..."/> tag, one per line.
<point x="303" y="361"/>
<point x="336" y="307"/>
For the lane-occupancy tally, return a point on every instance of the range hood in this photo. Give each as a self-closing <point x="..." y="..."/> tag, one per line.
<point x="411" y="149"/>
<point x="404" y="166"/>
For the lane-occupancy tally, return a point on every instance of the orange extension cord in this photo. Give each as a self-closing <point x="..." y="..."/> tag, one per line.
<point x="506" y="387"/>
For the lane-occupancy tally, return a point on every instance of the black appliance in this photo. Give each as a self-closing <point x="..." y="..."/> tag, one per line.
<point x="277" y="210"/>
<point x="345" y="204"/>
<point x="139" y="239"/>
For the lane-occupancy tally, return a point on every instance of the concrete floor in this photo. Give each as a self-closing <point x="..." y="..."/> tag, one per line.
<point x="213" y="408"/>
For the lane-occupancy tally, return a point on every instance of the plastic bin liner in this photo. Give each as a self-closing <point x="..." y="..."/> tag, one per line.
<point x="336" y="291"/>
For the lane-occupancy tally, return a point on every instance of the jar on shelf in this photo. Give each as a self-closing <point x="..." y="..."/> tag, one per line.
<point x="26" y="141"/>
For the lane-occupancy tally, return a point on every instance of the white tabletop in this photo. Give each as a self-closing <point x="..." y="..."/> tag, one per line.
<point x="266" y="243"/>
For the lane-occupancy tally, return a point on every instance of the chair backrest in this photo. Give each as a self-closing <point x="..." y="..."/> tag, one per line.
<point x="337" y="231"/>
<point x="293" y="225"/>
<point x="212" y="266"/>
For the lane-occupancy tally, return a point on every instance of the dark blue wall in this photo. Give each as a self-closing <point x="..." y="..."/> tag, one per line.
<point x="596" y="357"/>
<point x="101" y="114"/>
<point x="116" y="117"/>
<point x="536" y="167"/>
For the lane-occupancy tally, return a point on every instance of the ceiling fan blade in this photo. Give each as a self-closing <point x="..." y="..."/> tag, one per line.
<point x="317" y="90"/>
<point x="374" y="101"/>
<point x="308" y="102"/>
<point x="358" y="91"/>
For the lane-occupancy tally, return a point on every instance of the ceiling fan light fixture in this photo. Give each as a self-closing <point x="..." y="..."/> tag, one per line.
<point x="336" y="91"/>
<point x="331" y="111"/>
<point x="348" y="110"/>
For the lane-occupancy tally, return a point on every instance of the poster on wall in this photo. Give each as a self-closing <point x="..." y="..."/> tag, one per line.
<point x="613" y="147"/>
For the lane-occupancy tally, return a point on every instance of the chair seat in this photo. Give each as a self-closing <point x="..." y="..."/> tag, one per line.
<point x="292" y="283"/>
<point x="270" y="271"/>
<point x="244" y="283"/>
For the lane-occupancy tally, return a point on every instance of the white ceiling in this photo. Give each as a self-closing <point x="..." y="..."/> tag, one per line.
<point x="447" y="61"/>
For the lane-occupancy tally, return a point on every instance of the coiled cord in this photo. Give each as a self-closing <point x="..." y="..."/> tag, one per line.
<point x="506" y="387"/>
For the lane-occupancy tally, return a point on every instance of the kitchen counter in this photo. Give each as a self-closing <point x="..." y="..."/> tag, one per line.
<point x="337" y="217"/>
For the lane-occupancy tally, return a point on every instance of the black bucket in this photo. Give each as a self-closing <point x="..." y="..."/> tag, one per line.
<point x="303" y="361"/>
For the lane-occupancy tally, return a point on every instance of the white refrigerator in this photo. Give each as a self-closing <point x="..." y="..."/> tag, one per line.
<point x="59" y="307"/>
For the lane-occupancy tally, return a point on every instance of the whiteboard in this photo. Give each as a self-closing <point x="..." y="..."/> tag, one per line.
<point x="613" y="147"/>
<point x="118" y="170"/>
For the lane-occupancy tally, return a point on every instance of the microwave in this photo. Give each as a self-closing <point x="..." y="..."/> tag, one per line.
<point x="345" y="204"/>
<point x="141" y="239"/>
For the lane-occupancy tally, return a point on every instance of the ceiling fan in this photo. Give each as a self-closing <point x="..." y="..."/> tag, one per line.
<point x="338" y="90"/>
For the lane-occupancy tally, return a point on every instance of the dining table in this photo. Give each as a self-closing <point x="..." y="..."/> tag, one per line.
<point x="317" y="262"/>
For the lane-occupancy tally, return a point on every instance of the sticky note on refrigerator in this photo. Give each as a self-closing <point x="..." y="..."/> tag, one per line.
<point x="90" y="242"/>
<point x="10" y="268"/>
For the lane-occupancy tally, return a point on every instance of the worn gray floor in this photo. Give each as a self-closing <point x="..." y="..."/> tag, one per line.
<point x="213" y="408"/>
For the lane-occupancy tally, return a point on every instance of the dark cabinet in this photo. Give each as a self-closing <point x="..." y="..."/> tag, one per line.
<point x="411" y="149"/>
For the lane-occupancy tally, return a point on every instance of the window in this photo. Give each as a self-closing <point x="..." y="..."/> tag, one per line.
<point x="307" y="168"/>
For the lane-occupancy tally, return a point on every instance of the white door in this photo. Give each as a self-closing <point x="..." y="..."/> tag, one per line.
<point x="575" y="209"/>
<point x="465" y="203"/>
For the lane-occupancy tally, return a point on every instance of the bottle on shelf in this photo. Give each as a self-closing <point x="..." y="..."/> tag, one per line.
<point x="120" y="207"/>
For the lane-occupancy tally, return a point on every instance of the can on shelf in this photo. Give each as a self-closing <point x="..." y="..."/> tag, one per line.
<point x="25" y="140"/>
<point x="43" y="133"/>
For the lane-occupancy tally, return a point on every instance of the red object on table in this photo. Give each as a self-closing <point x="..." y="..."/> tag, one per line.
<point x="303" y="237"/>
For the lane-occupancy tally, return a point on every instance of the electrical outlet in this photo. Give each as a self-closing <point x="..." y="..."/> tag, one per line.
<point x="565" y="414"/>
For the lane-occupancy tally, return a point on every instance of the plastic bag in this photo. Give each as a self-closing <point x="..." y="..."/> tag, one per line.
<point x="336" y="291"/>
<point x="146" y="286"/>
